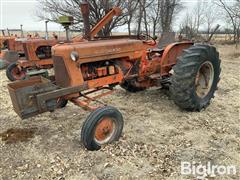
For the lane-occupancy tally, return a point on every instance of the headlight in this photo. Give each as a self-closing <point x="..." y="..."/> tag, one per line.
<point x="74" y="56"/>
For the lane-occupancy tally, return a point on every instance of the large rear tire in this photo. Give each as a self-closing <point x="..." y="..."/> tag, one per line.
<point x="195" y="77"/>
<point x="14" y="73"/>
<point x="101" y="127"/>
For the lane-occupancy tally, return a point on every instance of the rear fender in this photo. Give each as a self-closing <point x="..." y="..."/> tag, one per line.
<point x="170" y="55"/>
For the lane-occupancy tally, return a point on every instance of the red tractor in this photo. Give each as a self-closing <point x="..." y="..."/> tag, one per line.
<point x="82" y="69"/>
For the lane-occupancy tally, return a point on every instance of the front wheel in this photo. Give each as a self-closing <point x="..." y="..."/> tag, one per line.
<point x="195" y="77"/>
<point x="101" y="127"/>
<point x="61" y="103"/>
<point x="14" y="73"/>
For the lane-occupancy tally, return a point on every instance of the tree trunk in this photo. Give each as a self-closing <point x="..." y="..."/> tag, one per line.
<point x="129" y="26"/>
<point x="145" y="21"/>
<point x="140" y="18"/>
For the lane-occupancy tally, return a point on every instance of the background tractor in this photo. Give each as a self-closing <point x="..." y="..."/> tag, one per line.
<point x="37" y="55"/>
<point x="10" y="47"/>
<point x="88" y="70"/>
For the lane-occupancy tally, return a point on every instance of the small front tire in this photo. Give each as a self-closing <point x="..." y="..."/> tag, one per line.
<point x="14" y="73"/>
<point x="61" y="103"/>
<point x="102" y="126"/>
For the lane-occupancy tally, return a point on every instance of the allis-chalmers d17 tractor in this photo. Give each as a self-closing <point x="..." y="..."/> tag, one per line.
<point x="86" y="71"/>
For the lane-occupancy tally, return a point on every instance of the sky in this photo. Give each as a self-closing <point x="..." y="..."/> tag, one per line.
<point x="16" y="12"/>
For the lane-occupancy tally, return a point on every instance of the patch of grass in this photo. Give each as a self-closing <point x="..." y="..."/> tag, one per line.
<point x="15" y="135"/>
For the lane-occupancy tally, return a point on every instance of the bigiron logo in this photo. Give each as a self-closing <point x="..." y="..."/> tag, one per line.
<point x="201" y="171"/>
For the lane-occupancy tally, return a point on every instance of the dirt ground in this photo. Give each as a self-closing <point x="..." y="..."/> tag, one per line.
<point x="157" y="136"/>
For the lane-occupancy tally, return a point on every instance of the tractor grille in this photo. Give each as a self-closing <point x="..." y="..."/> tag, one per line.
<point x="61" y="74"/>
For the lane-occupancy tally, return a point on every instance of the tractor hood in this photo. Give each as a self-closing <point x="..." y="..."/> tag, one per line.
<point x="91" y="51"/>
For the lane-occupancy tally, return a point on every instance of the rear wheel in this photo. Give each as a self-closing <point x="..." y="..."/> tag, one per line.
<point x="101" y="127"/>
<point x="14" y="73"/>
<point x="195" y="77"/>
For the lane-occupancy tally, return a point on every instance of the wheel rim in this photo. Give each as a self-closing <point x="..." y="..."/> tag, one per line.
<point x="17" y="73"/>
<point x="204" y="79"/>
<point x="104" y="131"/>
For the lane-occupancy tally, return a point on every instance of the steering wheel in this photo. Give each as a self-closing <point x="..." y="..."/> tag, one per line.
<point x="147" y="39"/>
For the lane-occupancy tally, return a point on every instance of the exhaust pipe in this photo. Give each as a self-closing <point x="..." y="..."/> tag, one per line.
<point x="21" y="27"/>
<point x="8" y="32"/>
<point x="3" y="32"/>
<point x="85" y="14"/>
<point x="46" y="30"/>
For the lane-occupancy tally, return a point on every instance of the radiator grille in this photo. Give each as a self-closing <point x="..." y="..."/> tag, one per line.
<point x="61" y="74"/>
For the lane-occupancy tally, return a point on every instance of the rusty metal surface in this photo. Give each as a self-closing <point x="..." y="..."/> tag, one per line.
<point x="61" y="74"/>
<point x="23" y="95"/>
<point x="86" y="102"/>
<point x="42" y="98"/>
<point x="103" y="49"/>
<point x="37" y="95"/>
<point x="170" y="55"/>
<point x="3" y="40"/>
<point x="31" y="46"/>
<point x="116" y="11"/>
<point x="85" y="14"/>
<point x="10" y="56"/>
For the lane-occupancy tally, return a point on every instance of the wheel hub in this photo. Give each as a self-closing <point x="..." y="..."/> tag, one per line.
<point x="204" y="79"/>
<point x="104" y="130"/>
<point x="17" y="73"/>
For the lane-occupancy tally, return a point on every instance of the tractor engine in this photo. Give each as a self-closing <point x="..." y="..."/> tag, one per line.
<point x="44" y="52"/>
<point x="96" y="70"/>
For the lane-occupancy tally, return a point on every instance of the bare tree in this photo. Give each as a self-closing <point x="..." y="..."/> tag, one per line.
<point x="199" y="12"/>
<point x="232" y="14"/>
<point x="154" y="16"/>
<point x="210" y="18"/>
<point x="52" y="9"/>
<point x="131" y="8"/>
<point x="194" y="19"/>
<point x="169" y="9"/>
<point x="201" y="16"/>
<point x="188" y="26"/>
<point x="142" y="15"/>
<point x="159" y="14"/>
<point x="141" y="12"/>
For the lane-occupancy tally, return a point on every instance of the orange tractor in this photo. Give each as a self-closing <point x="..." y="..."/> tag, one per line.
<point x="36" y="56"/>
<point x="12" y="44"/>
<point x="37" y="52"/>
<point x="86" y="71"/>
<point x="11" y="50"/>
